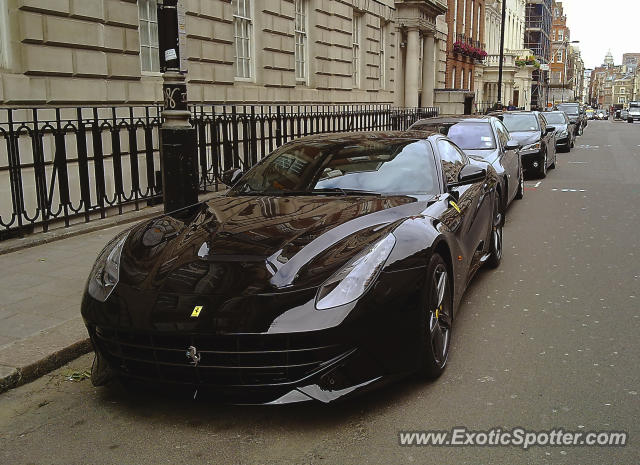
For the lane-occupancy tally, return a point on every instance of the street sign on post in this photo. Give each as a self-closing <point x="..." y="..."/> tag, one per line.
<point x="178" y="158"/>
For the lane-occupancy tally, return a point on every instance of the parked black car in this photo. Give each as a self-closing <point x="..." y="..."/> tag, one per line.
<point x="487" y="138"/>
<point x="537" y="139"/>
<point x="565" y="129"/>
<point x="576" y="115"/>
<point x="333" y="265"/>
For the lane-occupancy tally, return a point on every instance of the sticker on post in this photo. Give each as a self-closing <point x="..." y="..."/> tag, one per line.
<point x="170" y="54"/>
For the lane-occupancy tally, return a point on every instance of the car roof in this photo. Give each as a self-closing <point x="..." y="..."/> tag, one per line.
<point x="346" y="137"/>
<point x="454" y="119"/>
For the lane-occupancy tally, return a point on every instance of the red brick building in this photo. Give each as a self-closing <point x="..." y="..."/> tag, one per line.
<point x="465" y="19"/>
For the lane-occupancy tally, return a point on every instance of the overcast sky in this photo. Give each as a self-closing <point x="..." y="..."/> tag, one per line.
<point x="601" y="25"/>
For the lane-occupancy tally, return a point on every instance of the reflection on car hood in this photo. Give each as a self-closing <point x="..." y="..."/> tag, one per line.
<point x="526" y="137"/>
<point x="247" y="245"/>
<point x="487" y="155"/>
<point x="560" y="127"/>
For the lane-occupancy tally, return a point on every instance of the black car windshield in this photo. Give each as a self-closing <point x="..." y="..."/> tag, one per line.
<point x="467" y="136"/>
<point x="569" y="109"/>
<point x="521" y="123"/>
<point x="555" y="118"/>
<point x="342" y="167"/>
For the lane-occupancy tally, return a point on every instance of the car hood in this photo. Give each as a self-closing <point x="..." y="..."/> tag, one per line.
<point x="238" y="246"/>
<point x="526" y="137"/>
<point x="560" y="127"/>
<point x="490" y="156"/>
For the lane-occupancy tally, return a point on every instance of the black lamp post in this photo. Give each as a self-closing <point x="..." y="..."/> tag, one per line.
<point x="178" y="160"/>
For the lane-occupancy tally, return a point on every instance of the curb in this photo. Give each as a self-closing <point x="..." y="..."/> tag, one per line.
<point x="32" y="371"/>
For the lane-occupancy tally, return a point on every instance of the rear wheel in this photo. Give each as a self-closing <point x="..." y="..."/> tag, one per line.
<point x="495" y="249"/>
<point x="436" y="317"/>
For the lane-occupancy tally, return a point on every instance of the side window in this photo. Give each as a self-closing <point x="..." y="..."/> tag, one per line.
<point x="503" y="133"/>
<point x="453" y="159"/>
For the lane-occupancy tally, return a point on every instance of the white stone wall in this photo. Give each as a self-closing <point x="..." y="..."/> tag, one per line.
<point x="88" y="51"/>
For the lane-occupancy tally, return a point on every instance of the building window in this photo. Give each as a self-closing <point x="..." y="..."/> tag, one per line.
<point x="301" y="40"/>
<point x="473" y="15"/>
<point x="453" y="78"/>
<point x="243" y="31"/>
<point x="383" y="58"/>
<point x="561" y="35"/>
<point x="464" y="16"/>
<point x="455" y="18"/>
<point x="462" y="78"/>
<point x="149" y="52"/>
<point x="622" y="90"/>
<point x="356" y="49"/>
<point x="622" y="100"/>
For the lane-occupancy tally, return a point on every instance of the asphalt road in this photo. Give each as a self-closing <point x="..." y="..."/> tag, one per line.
<point x="550" y="339"/>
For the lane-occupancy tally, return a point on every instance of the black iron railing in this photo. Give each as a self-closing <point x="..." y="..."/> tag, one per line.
<point x="65" y="165"/>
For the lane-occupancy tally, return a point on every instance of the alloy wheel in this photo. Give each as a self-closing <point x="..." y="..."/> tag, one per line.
<point x="439" y="317"/>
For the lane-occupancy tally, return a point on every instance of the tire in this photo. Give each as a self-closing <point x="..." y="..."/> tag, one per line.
<point x="542" y="170"/>
<point x="630" y="120"/>
<point x="497" y="225"/>
<point x="436" y="318"/>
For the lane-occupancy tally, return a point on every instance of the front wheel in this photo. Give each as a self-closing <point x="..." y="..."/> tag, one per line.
<point x="436" y="317"/>
<point x="495" y="249"/>
<point x="542" y="169"/>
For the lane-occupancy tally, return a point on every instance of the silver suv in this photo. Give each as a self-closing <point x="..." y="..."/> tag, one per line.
<point x="634" y="112"/>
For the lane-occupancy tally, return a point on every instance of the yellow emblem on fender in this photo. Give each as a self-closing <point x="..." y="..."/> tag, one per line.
<point x="454" y="205"/>
<point x="196" y="311"/>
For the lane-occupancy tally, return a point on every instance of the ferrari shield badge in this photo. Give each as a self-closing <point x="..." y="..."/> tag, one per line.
<point x="196" y="311"/>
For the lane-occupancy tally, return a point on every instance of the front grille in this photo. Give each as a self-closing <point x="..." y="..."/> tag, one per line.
<point x="225" y="361"/>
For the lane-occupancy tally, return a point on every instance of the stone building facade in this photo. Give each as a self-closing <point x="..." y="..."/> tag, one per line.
<point x="238" y="51"/>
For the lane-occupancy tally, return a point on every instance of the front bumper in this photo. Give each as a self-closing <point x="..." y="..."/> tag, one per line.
<point x="375" y="343"/>
<point x="563" y="142"/>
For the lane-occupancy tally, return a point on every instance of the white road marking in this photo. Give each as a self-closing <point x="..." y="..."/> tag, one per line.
<point x="578" y="162"/>
<point x="538" y="184"/>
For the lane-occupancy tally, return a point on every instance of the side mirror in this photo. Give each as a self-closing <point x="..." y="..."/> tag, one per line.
<point x="470" y="174"/>
<point x="230" y="177"/>
<point x="550" y="129"/>
<point x="512" y="145"/>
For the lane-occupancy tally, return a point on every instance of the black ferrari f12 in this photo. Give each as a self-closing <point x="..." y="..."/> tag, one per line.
<point x="333" y="265"/>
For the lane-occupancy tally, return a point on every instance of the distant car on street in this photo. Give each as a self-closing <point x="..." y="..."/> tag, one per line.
<point x="634" y="112"/>
<point x="538" y="142"/>
<point x="565" y="129"/>
<point x="575" y="114"/>
<point x="590" y="112"/>
<point x="602" y="114"/>
<point x="624" y="114"/>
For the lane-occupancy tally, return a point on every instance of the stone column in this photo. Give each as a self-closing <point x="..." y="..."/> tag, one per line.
<point x="428" y="71"/>
<point x="398" y="84"/>
<point x="411" y="68"/>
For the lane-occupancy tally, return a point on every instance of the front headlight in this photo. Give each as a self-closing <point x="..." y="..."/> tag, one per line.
<point x="354" y="279"/>
<point x="106" y="271"/>
<point x="563" y="133"/>
<point x="531" y="147"/>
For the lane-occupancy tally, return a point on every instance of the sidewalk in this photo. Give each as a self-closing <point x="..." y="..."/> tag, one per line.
<point x="40" y="294"/>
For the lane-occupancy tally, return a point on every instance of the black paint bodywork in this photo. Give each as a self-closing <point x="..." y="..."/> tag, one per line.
<point x="255" y="264"/>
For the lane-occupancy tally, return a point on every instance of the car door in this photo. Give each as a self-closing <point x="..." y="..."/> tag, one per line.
<point x="510" y="160"/>
<point x="469" y="213"/>
<point x="547" y="139"/>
